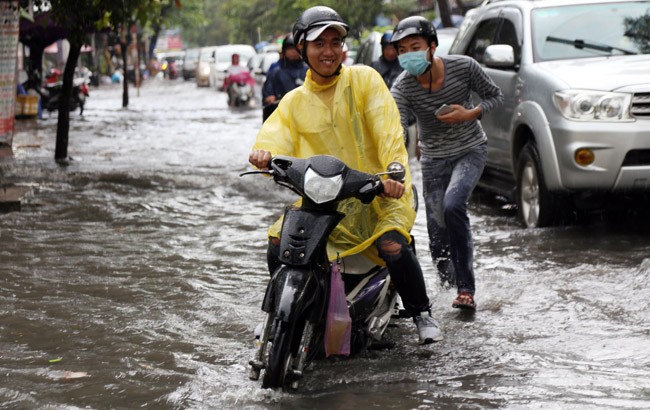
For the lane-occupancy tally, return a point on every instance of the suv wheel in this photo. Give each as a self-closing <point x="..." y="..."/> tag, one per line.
<point x="536" y="206"/>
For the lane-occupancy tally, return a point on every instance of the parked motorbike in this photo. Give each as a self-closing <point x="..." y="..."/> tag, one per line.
<point x="50" y="93"/>
<point x="240" y="89"/>
<point x="297" y="297"/>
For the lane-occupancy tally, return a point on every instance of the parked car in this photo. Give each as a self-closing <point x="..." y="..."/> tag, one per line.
<point x="446" y="36"/>
<point x="190" y="61"/>
<point x="574" y="129"/>
<point x="456" y="20"/>
<point x="270" y="47"/>
<point x="259" y="65"/>
<point x="202" y="73"/>
<point x="222" y="60"/>
<point x="370" y="48"/>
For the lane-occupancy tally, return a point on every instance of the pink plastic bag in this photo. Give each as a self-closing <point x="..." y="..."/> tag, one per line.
<point x="338" y="327"/>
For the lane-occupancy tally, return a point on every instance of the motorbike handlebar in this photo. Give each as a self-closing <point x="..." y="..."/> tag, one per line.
<point x="290" y="172"/>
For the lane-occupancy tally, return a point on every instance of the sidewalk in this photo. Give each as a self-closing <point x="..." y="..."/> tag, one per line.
<point x="10" y="196"/>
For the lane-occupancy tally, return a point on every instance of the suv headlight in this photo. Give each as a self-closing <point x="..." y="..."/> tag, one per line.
<point x="322" y="189"/>
<point x="586" y="105"/>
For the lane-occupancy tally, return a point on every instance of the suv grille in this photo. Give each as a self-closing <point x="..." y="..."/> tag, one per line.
<point x="641" y="105"/>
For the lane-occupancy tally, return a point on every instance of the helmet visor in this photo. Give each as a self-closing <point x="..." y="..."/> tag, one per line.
<point x="313" y="33"/>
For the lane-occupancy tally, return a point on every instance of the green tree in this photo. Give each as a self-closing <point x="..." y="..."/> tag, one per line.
<point x="249" y="21"/>
<point x="121" y="16"/>
<point x="79" y="18"/>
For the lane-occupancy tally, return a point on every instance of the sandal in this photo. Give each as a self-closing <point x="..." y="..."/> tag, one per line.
<point x="464" y="300"/>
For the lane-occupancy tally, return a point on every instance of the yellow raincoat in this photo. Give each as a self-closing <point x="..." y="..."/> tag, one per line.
<point x="355" y="119"/>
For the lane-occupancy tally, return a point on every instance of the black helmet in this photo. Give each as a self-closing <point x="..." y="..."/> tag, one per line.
<point x="414" y="25"/>
<point x="385" y="39"/>
<point x="318" y="16"/>
<point x="288" y="42"/>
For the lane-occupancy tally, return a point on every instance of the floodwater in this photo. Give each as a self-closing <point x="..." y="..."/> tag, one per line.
<point x="132" y="278"/>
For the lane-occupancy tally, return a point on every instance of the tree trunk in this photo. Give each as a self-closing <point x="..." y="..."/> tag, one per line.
<point x="125" y="82"/>
<point x="63" y="122"/>
<point x="445" y="13"/>
<point x="36" y="64"/>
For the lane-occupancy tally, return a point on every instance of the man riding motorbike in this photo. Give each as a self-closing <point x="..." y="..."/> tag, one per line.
<point x="237" y="74"/>
<point x="353" y="117"/>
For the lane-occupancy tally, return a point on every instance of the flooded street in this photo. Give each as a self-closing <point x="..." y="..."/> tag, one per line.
<point x="133" y="277"/>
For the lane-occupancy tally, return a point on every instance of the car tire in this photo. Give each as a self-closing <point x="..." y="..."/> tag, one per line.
<point x="537" y="207"/>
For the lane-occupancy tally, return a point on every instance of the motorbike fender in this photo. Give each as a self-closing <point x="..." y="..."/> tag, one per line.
<point x="290" y="292"/>
<point x="303" y="233"/>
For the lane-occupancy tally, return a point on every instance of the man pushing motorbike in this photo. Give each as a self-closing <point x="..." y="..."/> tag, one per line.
<point x="347" y="112"/>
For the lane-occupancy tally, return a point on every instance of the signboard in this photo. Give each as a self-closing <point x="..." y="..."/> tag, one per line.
<point x="169" y="40"/>
<point x="9" y="19"/>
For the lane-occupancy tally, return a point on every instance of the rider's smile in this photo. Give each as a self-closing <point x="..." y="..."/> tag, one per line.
<point x="325" y="54"/>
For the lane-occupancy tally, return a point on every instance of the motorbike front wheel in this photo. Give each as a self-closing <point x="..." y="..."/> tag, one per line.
<point x="282" y="353"/>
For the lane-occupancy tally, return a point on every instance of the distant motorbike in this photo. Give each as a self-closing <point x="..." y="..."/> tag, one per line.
<point x="169" y="69"/>
<point x="298" y="299"/>
<point x="240" y="89"/>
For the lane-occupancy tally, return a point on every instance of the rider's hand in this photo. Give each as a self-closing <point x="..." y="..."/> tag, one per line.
<point x="269" y="100"/>
<point x="393" y="189"/>
<point x="260" y="158"/>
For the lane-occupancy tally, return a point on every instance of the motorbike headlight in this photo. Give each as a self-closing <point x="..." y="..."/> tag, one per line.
<point x="586" y="105"/>
<point x="205" y="70"/>
<point x="322" y="189"/>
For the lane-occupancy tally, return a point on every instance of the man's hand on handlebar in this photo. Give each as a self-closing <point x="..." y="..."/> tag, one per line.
<point x="393" y="189"/>
<point x="260" y="158"/>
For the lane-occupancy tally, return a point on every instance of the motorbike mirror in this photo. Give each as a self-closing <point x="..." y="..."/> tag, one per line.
<point x="396" y="171"/>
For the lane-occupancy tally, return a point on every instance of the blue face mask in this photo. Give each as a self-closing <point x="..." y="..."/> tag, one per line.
<point x="415" y="62"/>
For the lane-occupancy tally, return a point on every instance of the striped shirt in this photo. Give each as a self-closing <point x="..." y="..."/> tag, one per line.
<point x="463" y="75"/>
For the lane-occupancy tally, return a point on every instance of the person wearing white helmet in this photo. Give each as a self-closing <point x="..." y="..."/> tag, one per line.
<point x="349" y="113"/>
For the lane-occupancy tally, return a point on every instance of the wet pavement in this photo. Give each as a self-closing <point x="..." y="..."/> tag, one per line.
<point x="132" y="278"/>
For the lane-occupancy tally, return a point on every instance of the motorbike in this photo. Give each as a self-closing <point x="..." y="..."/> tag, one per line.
<point x="240" y="89"/>
<point x="50" y="93"/>
<point x="294" y="331"/>
<point x="169" y="69"/>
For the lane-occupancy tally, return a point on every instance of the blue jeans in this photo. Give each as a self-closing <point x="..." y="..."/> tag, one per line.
<point x="447" y="185"/>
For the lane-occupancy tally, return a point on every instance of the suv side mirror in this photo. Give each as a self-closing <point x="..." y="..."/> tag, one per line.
<point x="499" y="56"/>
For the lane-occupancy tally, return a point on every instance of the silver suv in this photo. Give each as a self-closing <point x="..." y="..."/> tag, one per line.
<point x="574" y="129"/>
